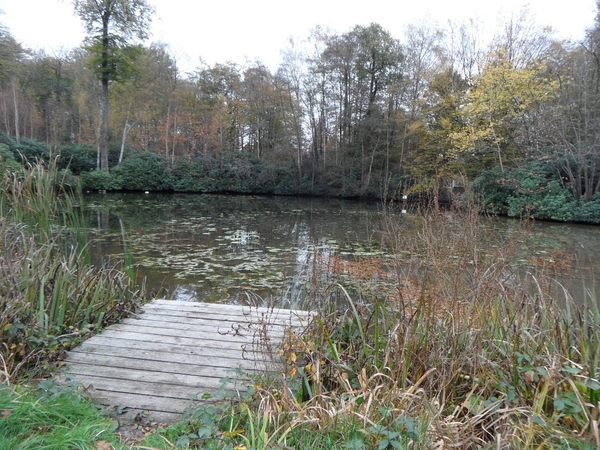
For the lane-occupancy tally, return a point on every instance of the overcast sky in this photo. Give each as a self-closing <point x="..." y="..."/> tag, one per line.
<point x="246" y="30"/>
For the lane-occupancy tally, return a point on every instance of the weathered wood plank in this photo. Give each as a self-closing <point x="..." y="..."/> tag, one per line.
<point x="236" y="337"/>
<point x="229" y="310"/>
<point x="229" y="330"/>
<point x="219" y="326"/>
<point x="163" y="378"/>
<point x="158" y="360"/>
<point x="161" y="348"/>
<point x="275" y="320"/>
<point x="142" y="402"/>
<point x="99" y="383"/>
<point x="212" y="368"/>
<point x="156" y="353"/>
<point x="179" y="340"/>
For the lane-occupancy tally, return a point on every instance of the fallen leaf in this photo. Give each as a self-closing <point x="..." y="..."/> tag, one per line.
<point x="103" y="445"/>
<point x="5" y="413"/>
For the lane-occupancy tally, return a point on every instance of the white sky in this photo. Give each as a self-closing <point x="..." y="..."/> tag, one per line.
<point x="246" y="30"/>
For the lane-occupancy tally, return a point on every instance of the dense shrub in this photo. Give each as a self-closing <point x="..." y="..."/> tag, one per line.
<point x="65" y="180"/>
<point x="194" y="175"/>
<point x="31" y="150"/>
<point x="237" y="172"/>
<point x="533" y="190"/>
<point x="588" y="212"/>
<point x="99" y="180"/>
<point x="78" y="158"/>
<point x="277" y="179"/>
<point x="7" y="160"/>
<point x="26" y="149"/>
<point x="5" y="139"/>
<point x="234" y="172"/>
<point x="143" y="172"/>
<point x="493" y="192"/>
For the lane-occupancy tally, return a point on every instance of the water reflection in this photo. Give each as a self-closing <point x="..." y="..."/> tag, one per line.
<point x="220" y="248"/>
<point x="228" y="248"/>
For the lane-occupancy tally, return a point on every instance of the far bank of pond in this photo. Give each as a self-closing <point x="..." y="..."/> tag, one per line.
<point x="237" y="249"/>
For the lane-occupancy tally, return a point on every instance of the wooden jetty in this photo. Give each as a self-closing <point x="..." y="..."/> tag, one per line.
<point x="174" y="351"/>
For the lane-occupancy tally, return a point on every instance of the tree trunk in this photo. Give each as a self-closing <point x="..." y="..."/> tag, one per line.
<point x="104" y="131"/>
<point x="6" y="119"/>
<point x="16" y="104"/>
<point x="126" y="129"/>
<point x="174" y="139"/>
<point x="105" y="78"/>
<point x="168" y="121"/>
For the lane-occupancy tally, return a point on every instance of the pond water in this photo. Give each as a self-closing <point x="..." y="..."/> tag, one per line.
<point x="221" y="248"/>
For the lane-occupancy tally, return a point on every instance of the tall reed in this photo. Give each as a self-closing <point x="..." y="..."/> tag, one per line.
<point x="50" y="295"/>
<point x="469" y="352"/>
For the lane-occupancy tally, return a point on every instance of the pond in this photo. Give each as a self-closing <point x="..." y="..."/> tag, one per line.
<point x="221" y="248"/>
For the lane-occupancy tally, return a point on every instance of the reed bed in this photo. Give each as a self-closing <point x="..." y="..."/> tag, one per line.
<point x="50" y="295"/>
<point x="467" y="351"/>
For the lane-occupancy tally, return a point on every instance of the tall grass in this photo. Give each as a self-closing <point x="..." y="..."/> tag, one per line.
<point x="50" y="295"/>
<point x="466" y="352"/>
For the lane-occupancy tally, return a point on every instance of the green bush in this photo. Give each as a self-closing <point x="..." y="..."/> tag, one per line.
<point x="31" y="150"/>
<point x="533" y="190"/>
<point x="99" y="180"/>
<point x="237" y="172"/>
<point x="143" y="172"/>
<point x="279" y="179"/>
<point x="78" y="158"/>
<point x="8" y="141"/>
<point x="589" y="211"/>
<point x="194" y="175"/>
<point x="7" y="160"/>
<point x="65" y="180"/>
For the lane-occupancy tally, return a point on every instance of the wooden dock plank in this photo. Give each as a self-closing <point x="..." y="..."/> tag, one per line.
<point x="285" y="320"/>
<point x="160" y="359"/>
<point x="227" y="310"/>
<point x="161" y="349"/>
<point x="166" y="378"/>
<point x="231" y="335"/>
<point x="228" y="313"/>
<point x="156" y="353"/>
<point x="102" y="384"/>
<point x="138" y="335"/>
<point x="205" y="325"/>
<point x="215" y="367"/>
<point x="142" y="402"/>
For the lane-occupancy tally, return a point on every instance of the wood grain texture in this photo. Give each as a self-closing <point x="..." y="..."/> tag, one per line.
<point x="162" y="360"/>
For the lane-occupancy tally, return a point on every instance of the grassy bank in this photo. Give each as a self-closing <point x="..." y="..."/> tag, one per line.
<point x="441" y="345"/>
<point x="51" y="418"/>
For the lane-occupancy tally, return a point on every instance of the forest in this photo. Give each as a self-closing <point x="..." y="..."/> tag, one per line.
<point x="511" y="116"/>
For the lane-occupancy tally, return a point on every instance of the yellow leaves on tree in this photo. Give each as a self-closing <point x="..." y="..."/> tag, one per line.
<point x="502" y="108"/>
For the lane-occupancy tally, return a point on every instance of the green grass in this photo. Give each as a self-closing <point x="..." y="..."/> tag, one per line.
<point x="52" y="420"/>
